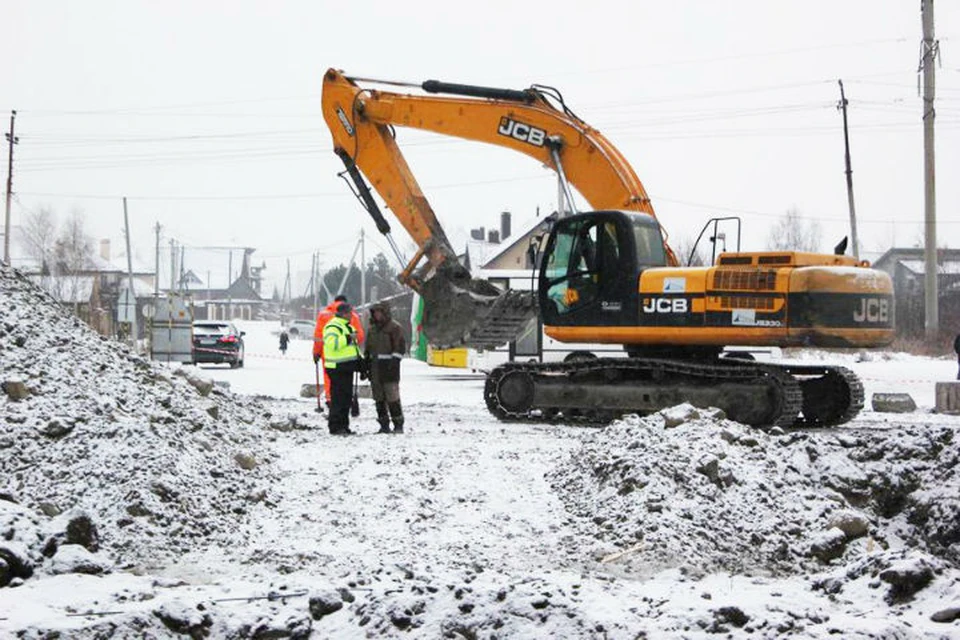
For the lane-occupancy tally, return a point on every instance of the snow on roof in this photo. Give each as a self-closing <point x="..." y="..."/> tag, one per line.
<point x="516" y="236"/>
<point x="919" y="267"/>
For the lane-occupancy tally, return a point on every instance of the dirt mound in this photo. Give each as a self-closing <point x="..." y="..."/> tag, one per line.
<point x="156" y="460"/>
<point x="713" y="495"/>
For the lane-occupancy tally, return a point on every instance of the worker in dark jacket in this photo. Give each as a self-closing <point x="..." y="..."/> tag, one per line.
<point x="341" y="359"/>
<point x="384" y="349"/>
<point x="956" y="347"/>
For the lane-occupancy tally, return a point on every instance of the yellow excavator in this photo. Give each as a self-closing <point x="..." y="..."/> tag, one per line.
<point x="608" y="275"/>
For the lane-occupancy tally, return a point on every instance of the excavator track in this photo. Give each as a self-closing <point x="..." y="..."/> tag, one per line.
<point x="600" y="390"/>
<point x="831" y="395"/>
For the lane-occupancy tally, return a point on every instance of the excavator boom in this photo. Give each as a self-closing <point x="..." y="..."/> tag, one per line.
<point x="460" y="310"/>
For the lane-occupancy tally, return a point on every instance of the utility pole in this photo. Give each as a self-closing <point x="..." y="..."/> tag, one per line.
<point x="229" y="283"/>
<point x="173" y="266"/>
<point x="930" y="50"/>
<point x="156" y="265"/>
<point x="363" y="271"/>
<point x="12" y="140"/>
<point x="314" y="289"/>
<point x="133" y="295"/>
<point x="846" y="146"/>
<point x="285" y="296"/>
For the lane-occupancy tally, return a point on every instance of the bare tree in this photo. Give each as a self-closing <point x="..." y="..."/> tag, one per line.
<point x="683" y="248"/>
<point x="793" y="233"/>
<point x="72" y="255"/>
<point x="38" y="237"/>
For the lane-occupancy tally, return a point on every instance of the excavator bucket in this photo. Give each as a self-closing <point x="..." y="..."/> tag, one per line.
<point x="469" y="312"/>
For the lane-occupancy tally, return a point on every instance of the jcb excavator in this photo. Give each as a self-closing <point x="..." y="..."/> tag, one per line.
<point x="608" y="275"/>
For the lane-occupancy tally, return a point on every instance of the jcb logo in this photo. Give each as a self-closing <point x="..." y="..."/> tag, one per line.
<point x="872" y="310"/>
<point x="665" y="305"/>
<point x="522" y="132"/>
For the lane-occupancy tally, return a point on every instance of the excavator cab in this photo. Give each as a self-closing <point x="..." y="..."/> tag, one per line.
<point x="591" y="265"/>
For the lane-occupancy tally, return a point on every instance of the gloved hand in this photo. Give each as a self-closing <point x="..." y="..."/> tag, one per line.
<point x="316" y="358"/>
<point x="350" y="338"/>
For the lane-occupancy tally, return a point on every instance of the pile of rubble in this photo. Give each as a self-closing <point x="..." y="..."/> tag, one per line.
<point x="106" y="459"/>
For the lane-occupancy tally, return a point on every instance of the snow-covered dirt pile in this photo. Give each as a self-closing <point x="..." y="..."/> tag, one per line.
<point x="108" y="460"/>
<point x="703" y="494"/>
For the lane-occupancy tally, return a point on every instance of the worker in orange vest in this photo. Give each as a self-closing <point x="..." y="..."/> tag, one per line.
<point x="325" y="315"/>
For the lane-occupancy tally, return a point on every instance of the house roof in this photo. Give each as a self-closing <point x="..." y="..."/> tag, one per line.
<point x="919" y="267"/>
<point x="913" y="255"/>
<point x="521" y="235"/>
<point x="205" y="267"/>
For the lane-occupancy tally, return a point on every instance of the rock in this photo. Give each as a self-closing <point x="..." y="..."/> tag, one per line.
<point x="15" y="389"/>
<point x="49" y="509"/>
<point x="948" y="397"/>
<point x="72" y="528"/>
<point x="946" y="615"/>
<point x="749" y="441"/>
<point x="213" y="411"/>
<point x="731" y="615"/>
<point x="710" y="467"/>
<point x="906" y="579"/>
<point x="202" y="384"/>
<point x="675" y="416"/>
<point x="828" y="545"/>
<point x="308" y="390"/>
<point x="246" y="461"/>
<point x="325" y="603"/>
<point x="73" y="558"/>
<point x="852" y="523"/>
<point x="284" y="424"/>
<point x="893" y="403"/>
<point x="184" y="619"/>
<point x="82" y="531"/>
<point x="57" y="428"/>
<point x="15" y="563"/>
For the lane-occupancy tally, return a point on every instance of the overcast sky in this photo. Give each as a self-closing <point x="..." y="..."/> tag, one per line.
<point x="206" y="115"/>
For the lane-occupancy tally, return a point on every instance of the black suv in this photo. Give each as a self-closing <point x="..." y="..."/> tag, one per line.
<point x="217" y="342"/>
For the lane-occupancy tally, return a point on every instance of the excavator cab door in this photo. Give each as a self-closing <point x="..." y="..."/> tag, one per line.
<point x="590" y="266"/>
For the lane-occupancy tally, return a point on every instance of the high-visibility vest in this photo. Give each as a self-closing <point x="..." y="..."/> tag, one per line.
<point x="335" y="346"/>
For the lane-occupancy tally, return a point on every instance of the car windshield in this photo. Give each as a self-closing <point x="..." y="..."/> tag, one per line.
<point x="211" y="329"/>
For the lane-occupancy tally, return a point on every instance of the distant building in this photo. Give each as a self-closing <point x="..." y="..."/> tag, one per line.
<point x="93" y="291"/>
<point x="907" y="268"/>
<point x="237" y="298"/>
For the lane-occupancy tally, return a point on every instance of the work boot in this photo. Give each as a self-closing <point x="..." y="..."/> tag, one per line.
<point x="396" y="414"/>
<point x="383" y="417"/>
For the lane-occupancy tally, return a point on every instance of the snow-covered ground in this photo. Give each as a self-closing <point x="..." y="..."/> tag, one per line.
<point x="137" y="500"/>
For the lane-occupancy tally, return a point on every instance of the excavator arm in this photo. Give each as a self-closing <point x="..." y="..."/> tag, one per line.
<point x="361" y="121"/>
